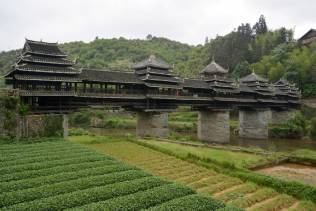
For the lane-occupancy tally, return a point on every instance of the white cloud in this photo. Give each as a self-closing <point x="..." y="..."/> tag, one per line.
<point x="188" y="21"/>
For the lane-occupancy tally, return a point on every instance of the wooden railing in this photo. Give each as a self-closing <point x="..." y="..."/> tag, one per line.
<point x="46" y="93"/>
<point x="9" y="92"/>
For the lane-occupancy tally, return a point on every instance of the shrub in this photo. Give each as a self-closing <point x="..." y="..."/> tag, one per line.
<point x="54" y="170"/>
<point x="286" y="131"/>
<point x="52" y="125"/>
<point x="191" y="202"/>
<point x="141" y="200"/>
<point x="81" y="118"/>
<point x="63" y="176"/>
<point x="45" y="191"/>
<point x="313" y="128"/>
<point x="86" y="196"/>
<point x="49" y="164"/>
<point x="78" y="132"/>
<point x="296" y="127"/>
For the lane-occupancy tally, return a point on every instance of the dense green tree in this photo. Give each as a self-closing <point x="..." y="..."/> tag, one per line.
<point x="295" y="63"/>
<point x="241" y="69"/>
<point x="261" y="26"/>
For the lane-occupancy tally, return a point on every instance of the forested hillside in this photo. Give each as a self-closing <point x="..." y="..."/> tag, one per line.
<point x="273" y="54"/>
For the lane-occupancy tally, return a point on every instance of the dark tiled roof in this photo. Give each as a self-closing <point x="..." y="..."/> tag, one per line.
<point x="220" y="84"/>
<point x="160" y="78"/>
<point x="46" y="69"/>
<point x="253" y="77"/>
<point x="311" y="33"/>
<point x="163" y="85"/>
<point x="152" y="61"/>
<point x="109" y="76"/>
<point x="214" y="68"/>
<point x="194" y="83"/>
<point x="46" y="60"/>
<point x="218" y="78"/>
<point x="225" y="90"/>
<point x="283" y="87"/>
<point x="38" y="47"/>
<point x="153" y="71"/>
<point x="27" y="77"/>
<point x="246" y="89"/>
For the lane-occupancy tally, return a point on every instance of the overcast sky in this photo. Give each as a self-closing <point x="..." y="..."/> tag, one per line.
<point x="188" y="21"/>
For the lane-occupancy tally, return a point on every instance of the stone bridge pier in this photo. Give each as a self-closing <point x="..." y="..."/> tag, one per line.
<point x="154" y="124"/>
<point x="253" y="123"/>
<point x="213" y="126"/>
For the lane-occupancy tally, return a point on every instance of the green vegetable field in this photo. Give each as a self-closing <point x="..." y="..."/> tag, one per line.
<point x="64" y="175"/>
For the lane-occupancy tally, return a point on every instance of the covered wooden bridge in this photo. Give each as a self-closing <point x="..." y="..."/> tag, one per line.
<point x="50" y="83"/>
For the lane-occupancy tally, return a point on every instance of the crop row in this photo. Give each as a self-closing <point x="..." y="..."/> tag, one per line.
<point x="15" y="197"/>
<point x="60" y="177"/>
<point x="304" y="205"/>
<point x="238" y="192"/>
<point x="190" y="202"/>
<point x="45" y="158"/>
<point x="14" y="148"/>
<point x="201" y="184"/>
<point x="278" y="203"/>
<point x="191" y="177"/>
<point x="95" y="194"/>
<point x="31" y="154"/>
<point x="49" y="164"/>
<point x="141" y="200"/>
<point x="253" y="198"/>
<point x="77" y="164"/>
<point x="215" y="188"/>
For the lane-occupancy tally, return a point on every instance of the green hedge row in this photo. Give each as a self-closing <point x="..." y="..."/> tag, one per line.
<point x="49" y="164"/>
<point x="192" y="202"/>
<point x="54" y="170"/>
<point x="81" y="197"/>
<point x="11" y="148"/>
<point x="141" y="200"/>
<point x="60" y="177"/>
<point x="46" y="158"/>
<point x="18" y="156"/>
<point x="44" y="191"/>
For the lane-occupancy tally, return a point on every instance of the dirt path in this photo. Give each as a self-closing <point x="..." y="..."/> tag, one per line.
<point x="289" y="171"/>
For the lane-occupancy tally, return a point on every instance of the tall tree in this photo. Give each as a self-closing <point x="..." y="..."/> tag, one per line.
<point x="261" y="26"/>
<point x="206" y="40"/>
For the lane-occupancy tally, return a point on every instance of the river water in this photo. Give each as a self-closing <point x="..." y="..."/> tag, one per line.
<point x="270" y="144"/>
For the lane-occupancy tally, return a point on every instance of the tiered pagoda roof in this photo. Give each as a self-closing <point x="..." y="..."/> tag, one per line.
<point x="42" y="61"/>
<point x="284" y="88"/>
<point x="156" y="73"/>
<point x="216" y="78"/>
<point x="214" y="69"/>
<point x="253" y="83"/>
<point x="106" y="76"/>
